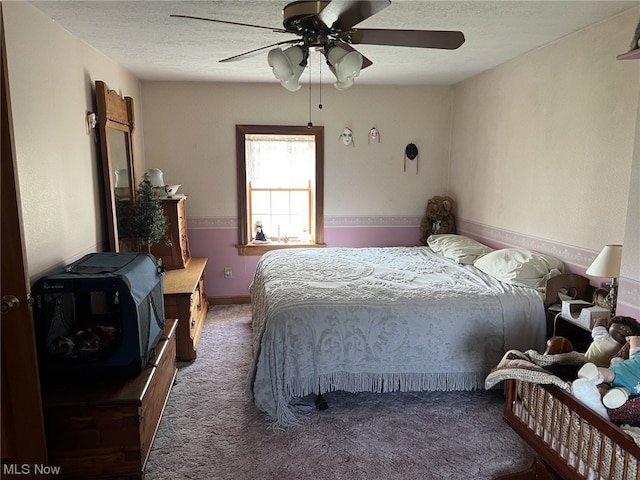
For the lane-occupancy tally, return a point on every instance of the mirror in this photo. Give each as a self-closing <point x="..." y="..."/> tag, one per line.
<point x="115" y="126"/>
<point x="119" y="155"/>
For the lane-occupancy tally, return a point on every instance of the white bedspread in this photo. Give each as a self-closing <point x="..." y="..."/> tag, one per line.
<point x="381" y="320"/>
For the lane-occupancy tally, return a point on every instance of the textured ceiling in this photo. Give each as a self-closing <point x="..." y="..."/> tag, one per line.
<point x="142" y="37"/>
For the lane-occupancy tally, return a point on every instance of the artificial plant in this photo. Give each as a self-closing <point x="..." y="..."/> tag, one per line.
<point x="147" y="221"/>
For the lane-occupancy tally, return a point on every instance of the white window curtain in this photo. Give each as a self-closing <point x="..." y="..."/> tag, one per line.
<point x="280" y="160"/>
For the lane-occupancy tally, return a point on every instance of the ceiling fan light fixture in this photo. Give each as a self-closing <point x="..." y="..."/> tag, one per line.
<point x="288" y="65"/>
<point x="328" y="26"/>
<point x="293" y="84"/>
<point x="345" y="65"/>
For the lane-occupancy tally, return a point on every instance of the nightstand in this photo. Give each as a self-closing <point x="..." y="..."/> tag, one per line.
<point x="579" y="335"/>
<point x="576" y="286"/>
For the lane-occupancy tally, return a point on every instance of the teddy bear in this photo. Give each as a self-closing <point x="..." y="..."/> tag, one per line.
<point x="438" y="217"/>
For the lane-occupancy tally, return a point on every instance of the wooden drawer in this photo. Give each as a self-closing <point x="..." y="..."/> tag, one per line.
<point x="193" y="313"/>
<point x="185" y="298"/>
<point x="157" y="394"/>
<point x="173" y="251"/>
<point x="199" y="312"/>
<point x="106" y="429"/>
<point x="183" y="239"/>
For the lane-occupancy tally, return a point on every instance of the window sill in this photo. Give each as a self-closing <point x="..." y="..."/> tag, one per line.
<point x="253" y="249"/>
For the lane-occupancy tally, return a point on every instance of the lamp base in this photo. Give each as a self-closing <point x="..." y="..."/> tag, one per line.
<point x="612" y="297"/>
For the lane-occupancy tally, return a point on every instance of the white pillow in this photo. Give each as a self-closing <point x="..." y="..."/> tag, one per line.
<point x="462" y="249"/>
<point x="520" y="267"/>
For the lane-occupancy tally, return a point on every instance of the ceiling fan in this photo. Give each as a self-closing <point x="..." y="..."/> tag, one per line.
<point x="328" y="26"/>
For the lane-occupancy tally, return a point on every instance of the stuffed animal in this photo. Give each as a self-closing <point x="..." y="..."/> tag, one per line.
<point x="615" y="348"/>
<point x="588" y="393"/>
<point x="438" y="217"/>
<point x="608" y="337"/>
<point x="556" y="345"/>
<point x="624" y="377"/>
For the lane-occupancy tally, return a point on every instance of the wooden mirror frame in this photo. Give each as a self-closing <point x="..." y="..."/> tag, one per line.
<point x="114" y="114"/>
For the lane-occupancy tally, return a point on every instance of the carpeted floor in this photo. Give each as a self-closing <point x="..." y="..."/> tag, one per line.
<point x="211" y="431"/>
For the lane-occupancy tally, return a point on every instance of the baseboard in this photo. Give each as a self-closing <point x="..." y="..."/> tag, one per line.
<point x="238" y="299"/>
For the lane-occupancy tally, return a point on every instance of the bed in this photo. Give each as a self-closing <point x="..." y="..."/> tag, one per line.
<point x="380" y="320"/>
<point x="571" y="440"/>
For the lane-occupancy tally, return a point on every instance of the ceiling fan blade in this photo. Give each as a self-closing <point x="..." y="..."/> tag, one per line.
<point x="365" y="61"/>
<point x="344" y="14"/>
<point x="273" y="29"/>
<point x="242" y="56"/>
<point x="446" y="39"/>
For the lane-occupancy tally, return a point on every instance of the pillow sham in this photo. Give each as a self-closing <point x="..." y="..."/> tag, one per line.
<point x="463" y="250"/>
<point x="520" y="267"/>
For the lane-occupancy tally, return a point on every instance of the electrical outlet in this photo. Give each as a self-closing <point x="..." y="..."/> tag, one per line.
<point x="228" y="272"/>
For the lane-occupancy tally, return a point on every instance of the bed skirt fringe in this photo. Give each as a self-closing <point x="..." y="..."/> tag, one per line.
<point x="287" y="415"/>
<point x="385" y="383"/>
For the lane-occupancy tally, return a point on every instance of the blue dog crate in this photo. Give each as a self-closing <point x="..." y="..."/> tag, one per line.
<point x="100" y="316"/>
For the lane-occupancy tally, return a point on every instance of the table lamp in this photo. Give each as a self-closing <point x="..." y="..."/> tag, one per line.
<point x="607" y="264"/>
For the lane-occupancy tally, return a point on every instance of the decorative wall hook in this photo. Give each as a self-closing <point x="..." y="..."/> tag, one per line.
<point x="374" y="135"/>
<point x="92" y="121"/>
<point x="347" y="137"/>
<point x="411" y="152"/>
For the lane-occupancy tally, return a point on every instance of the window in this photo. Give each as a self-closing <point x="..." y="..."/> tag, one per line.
<point x="280" y="184"/>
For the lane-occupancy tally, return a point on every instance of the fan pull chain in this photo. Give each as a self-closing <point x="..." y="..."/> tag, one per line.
<point x="310" y="123"/>
<point x="320" y="85"/>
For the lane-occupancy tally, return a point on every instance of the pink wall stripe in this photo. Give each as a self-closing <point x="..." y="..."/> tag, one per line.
<point x="216" y="238"/>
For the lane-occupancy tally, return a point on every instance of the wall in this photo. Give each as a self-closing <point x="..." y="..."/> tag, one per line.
<point x="543" y="146"/>
<point x="567" y="110"/>
<point x="562" y="119"/>
<point x="369" y="198"/>
<point x="629" y="283"/>
<point x="51" y="82"/>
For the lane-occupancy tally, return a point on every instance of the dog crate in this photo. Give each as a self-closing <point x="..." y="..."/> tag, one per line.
<point x="100" y="316"/>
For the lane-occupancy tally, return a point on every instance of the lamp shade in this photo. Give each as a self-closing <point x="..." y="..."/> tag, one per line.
<point x="156" y="177"/>
<point x="293" y="84"/>
<point x="287" y="66"/>
<point x="607" y="263"/>
<point x="345" y="65"/>
<point x="122" y="178"/>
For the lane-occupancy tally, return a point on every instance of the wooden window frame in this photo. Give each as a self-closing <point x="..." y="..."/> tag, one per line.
<point x="309" y="193"/>
<point x="245" y="247"/>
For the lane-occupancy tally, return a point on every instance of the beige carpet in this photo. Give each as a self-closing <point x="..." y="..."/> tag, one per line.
<point x="210" y="430"/>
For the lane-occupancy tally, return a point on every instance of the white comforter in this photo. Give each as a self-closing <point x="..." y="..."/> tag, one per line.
<point x="381" y="320"/>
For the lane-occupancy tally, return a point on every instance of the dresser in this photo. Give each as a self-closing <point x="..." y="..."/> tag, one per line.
<point x="104" y="428"/>
<point x="185" y="298"/>
<point x="173" y="250"/>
